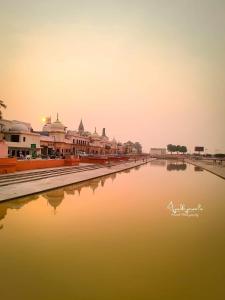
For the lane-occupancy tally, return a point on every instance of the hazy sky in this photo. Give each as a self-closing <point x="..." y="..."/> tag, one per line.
<point x="151" y="71"/>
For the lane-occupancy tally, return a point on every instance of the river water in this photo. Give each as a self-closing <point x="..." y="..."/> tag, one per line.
<point x="120" y="237"/>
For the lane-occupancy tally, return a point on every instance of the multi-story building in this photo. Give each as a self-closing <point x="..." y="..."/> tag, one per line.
<point x="55" y="139"/>
<point x="20" y="138"/>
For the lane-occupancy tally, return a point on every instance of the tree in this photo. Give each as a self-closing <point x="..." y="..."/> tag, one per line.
<point x="138" y="147"/>
<point x="170" y="148"/>
<point x="178" y="148"/>
<point x="2" y="104"/>
<point x="183" y="149"/>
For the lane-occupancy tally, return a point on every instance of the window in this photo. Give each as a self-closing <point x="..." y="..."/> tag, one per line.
<point x="24" y="139"/>
<point x="15" y="138"/>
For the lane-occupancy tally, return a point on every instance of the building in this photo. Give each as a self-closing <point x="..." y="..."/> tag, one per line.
<point x="158" y="151"/>
<point x="56" y="140"/>
<point x="20" y="138"/>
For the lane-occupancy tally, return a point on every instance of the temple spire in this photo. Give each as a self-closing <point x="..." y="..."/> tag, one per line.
<point x="81" y="127"/>
<point x="103" y="132"/>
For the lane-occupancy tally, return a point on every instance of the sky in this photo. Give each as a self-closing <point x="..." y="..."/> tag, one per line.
<point x="149" y="71"/>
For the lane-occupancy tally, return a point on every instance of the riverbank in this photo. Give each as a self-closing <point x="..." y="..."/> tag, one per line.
<point x="210" y="166"/>
<point x="22" y="189"/>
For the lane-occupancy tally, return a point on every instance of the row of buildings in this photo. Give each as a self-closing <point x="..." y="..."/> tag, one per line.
<point x="55" y="139"/>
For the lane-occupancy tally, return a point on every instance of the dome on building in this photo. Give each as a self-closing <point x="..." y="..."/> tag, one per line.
<point x="95" y="135"/>
<point x="87" y="133"/>
<point x="19" y="127"/>
<point x="46" y="127"/>
<point x="55" y="126"/>
<point x="113" y="141"/>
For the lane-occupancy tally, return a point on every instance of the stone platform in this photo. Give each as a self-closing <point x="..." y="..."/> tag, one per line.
<point x="16" y="190"/>
<point x="210" y="166"/>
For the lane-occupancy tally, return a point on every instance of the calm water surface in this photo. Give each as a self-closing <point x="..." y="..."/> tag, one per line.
<point x="115" y="238"/>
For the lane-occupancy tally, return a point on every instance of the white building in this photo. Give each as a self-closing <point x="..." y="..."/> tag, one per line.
<point x="158" y="151"/>
<point x="20" y="138"/>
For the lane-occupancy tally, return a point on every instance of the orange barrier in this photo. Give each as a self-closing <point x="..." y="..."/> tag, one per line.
<point x="71" y="161"/>
<point x="93" y="160"/>
<point x="7" y="165"/>
<point x="10" y="165"/>
<point x="23" y="165"/>
<point x="102" y="160"/>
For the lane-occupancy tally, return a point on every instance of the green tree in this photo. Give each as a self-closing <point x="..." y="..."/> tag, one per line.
<point x="170" y="148"/>
<point x="178" y="148"/>
<point x="183" y="149"/>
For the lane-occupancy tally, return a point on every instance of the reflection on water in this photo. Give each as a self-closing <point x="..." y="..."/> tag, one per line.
<point x="198" y="169"/>
<point x="171" y="165"/>
<point x="55" y="197"/>
<point x="114" y="238"/>
<point x="15" y="204"/>
<point x="176" y="166"/>
<point x="158" y="163"/>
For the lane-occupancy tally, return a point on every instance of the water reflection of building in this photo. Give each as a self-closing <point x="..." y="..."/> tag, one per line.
<point x="69" y="189"/>
<point x="137" y="168"/>
<point x="15" y="204"/>
<point x="94" y="184"/>
<point x="54" y="197"/>
<point x="3" y="211"/>
<point x="103" y="180"/>
<point x="158" y="162"/>
<point x="112" y="176"/>
<point x="127" y="171"/>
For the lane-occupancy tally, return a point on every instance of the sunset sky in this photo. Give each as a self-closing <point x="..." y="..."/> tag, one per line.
<point x="151" y="71"/>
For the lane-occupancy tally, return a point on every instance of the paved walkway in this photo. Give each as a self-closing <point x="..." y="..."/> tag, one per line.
<point x="32" y="187"/>
<point x="210" y="166"/>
